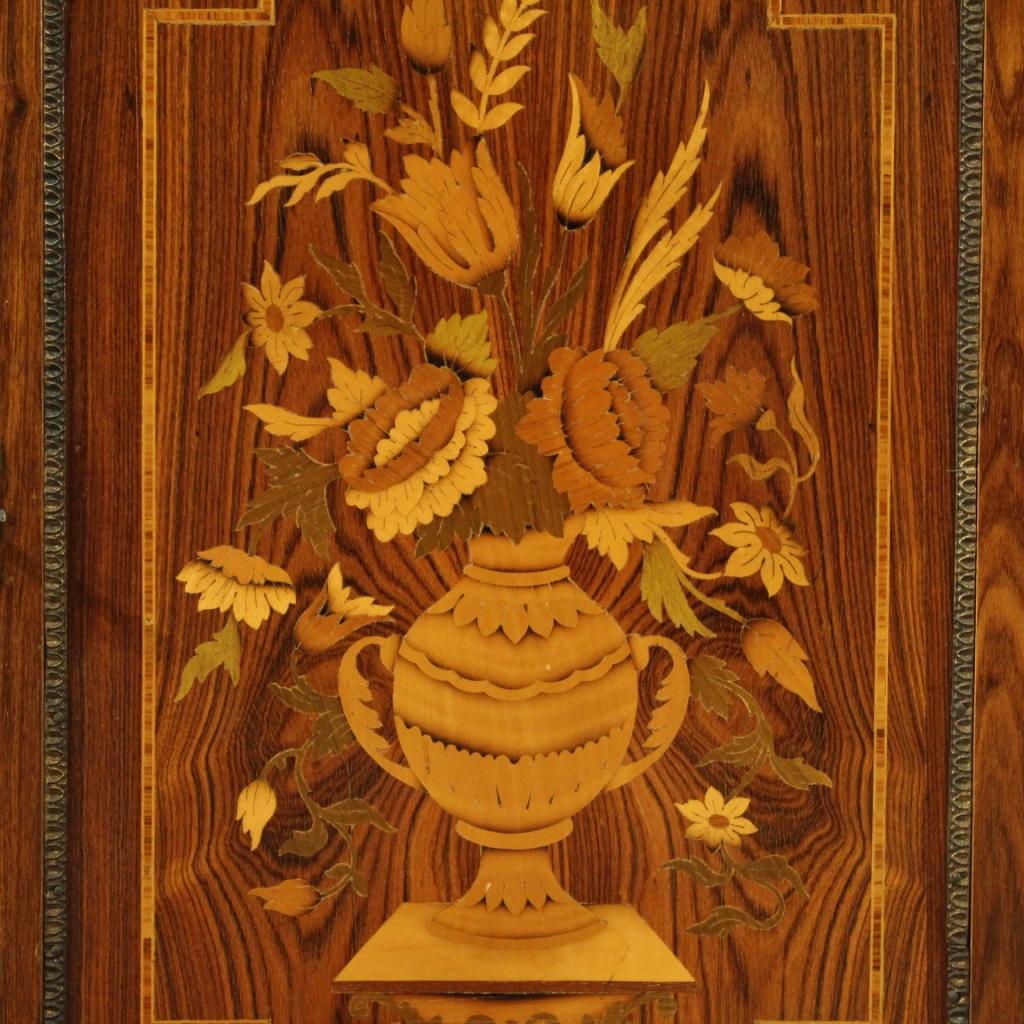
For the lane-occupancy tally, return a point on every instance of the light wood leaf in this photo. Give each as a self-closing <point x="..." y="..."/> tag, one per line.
<point x="411" y="131"/>
<point x="515" y="46"/>
<point x="772" y="650"/>
<point x="373" y="91"/>
<point x="492" y="37"/>
<point x="354" y="391"/>
<point x="231" y="369"/>
<point x="610" y="532"/>
<point x="525" y="20"/>
<point x="224" y="650"/>
<point x="499" y="115"/>
<point x="465" y="108"/>
<point x="662" y="589"/>
<point x="478" y="71"/>
<point x="285" y="423"/>
<point x="508" y="79"/>
<point x="799" y="422"/>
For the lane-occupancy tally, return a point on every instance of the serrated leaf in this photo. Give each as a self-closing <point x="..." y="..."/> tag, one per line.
<point x="519" y="494"/>
<point x="411" y="131"/>
<point x="400" y="287"/>
<point x="304" y="698"/>
<point x="671" y="354"/>
<point x="231" y="369"/>
<point x="373" y="91"/>
<point x="352" y="812"/>
<point x="305" y="842"/>
<point x="707" y="674"/>
<point x="463" y="343"/>
<point x="771" y="869"/>
<point x="796" y="773"/>
<point x="331" y="734"/>
<point x="621" y="52"/>
<point x="285" y="423"/>
<point x="354" y="391"/>
<point x="298" y="487"/>
<point x="700" y="871"/>
<point x="723" y="920"/>
<point x="499" y="115"/>
<point x="347" y="875"/>
<point x="772" y="650"/>
<point x="223" y="650"/>
<point x="466" y="109"/>
<point x="610" y="532"/>
<point x="662" y="589"/>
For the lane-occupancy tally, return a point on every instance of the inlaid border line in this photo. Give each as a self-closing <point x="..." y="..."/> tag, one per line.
<point x="965" y="552"/>
<point x="54" y="526"/>
<point x="265" y="14"/>
<point x="885" y="24"/>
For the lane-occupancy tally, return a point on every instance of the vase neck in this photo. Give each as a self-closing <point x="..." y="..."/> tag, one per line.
<point x="538" y="558"/>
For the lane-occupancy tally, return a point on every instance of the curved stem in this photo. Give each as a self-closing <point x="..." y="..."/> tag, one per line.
<point x="794" y="472"/>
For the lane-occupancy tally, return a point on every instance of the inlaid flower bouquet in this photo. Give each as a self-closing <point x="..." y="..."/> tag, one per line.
<point x="521" y="436"/>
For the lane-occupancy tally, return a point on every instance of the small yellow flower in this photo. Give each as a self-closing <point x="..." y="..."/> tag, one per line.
<point x="715" y="821"/>
<point x="426" y="35"/>
<point x="278" y="317"/>
<point x="762" y="542"/>
<point x="593" y="160"/>
<point x="256" y="806"/>
<point x="228" y="578"/>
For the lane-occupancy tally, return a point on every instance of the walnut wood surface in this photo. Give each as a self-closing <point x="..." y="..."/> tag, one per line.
<point x="21" y="496"/>
<point x="794" y="135"/>
<point x="997" y="946"/>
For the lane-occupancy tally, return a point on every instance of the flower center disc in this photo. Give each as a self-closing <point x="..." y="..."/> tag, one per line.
<point x="769" y="539"/>
<point x="275" y="318"/>
<point x="718" y="821"/>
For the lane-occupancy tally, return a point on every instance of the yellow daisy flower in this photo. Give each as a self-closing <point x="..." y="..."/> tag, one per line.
<point x="762" y="542"/>
<point x="278" y="317"/>
<point x="715" y="821"/>
<point x="228" y="578"/>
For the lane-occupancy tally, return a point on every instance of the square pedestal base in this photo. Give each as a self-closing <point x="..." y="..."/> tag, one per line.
<point x="408" y="963"/>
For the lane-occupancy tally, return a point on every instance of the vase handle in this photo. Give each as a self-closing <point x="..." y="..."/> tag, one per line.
<point x="354" y="690"/>
<point x="673" y="697"/>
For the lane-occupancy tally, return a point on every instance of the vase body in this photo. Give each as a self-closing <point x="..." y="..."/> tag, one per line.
<point x="515" y="695"/>
<point x="515" y="700"/>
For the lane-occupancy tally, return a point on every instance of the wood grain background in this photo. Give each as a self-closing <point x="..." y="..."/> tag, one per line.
<point x="794" y="137"/>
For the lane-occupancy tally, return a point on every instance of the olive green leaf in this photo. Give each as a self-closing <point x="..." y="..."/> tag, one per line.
<point x="463" y="344"/>
<point x="707" y="674"/>
<point x="298" y="487"/>
<point x="795" y="772"/>
<point x="306" y="842"/>
<point x="224" y="650"/>
<point x="331" y="734"/>
<point x="750" y="748"/>
<point x="773" y="868"/>
<point x="701" y="872"/>
<point x="401" y="288"/>
<point x="723" y="920"/>
<point x="620" y="51"/>
<point x="663" y="585"/>
<point x="231" y="369"/>
<point x="373" y="91"/>
<point x="354" y="811"/>
<point x="671" y="354"/>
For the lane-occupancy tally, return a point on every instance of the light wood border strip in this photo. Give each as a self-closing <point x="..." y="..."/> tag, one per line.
<point x="885" y="25"/>
<point x="265" y="14"/>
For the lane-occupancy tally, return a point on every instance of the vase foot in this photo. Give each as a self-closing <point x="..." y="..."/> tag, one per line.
<point x="516" y="896"/>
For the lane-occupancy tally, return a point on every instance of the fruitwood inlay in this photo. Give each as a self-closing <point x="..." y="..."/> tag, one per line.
<point x="265" y="15"/>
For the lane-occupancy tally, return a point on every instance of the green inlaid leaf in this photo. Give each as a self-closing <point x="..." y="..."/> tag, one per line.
<point x="224" y="650"/>
<point x="373" y="91"/>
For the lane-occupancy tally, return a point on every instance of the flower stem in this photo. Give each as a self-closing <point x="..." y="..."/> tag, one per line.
<point x="725" y="313"/>
<point x="794" y="475"/>
<point x="435" y="116"/>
